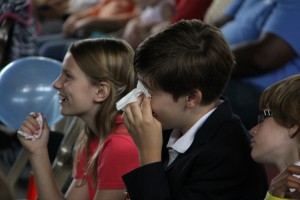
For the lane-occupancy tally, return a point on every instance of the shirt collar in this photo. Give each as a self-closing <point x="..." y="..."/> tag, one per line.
<point x="182" y="143"/>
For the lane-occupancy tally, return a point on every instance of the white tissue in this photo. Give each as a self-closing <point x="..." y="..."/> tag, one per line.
<point x="132" y="96"/>
<point x="27" y="136"/>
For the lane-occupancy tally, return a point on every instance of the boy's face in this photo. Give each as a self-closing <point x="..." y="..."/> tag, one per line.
<point x="168" y="112"/>
<point x="271" y="142"/>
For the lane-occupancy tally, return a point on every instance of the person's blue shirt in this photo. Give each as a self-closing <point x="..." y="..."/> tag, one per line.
<point x="253" y="17"/>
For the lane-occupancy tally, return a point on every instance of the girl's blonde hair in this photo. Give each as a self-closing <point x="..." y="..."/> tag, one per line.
<point x="109" y="60"/>
<point x="5" y="190"/>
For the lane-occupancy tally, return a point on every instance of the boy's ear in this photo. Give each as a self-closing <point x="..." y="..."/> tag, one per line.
<point x="194" y="98"/>
<point x="102" y="91"/>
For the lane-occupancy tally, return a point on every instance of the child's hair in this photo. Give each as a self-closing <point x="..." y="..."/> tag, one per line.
<point x="5" y="190"/>
<point x="185" y="56"/>
<point x="283" y="99"/>
<point x="109" y="60"/>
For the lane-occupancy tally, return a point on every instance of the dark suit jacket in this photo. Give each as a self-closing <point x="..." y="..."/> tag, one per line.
<point x="218" y="165"/>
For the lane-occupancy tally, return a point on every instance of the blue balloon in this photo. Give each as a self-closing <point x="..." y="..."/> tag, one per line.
<point x="26" y="86"/>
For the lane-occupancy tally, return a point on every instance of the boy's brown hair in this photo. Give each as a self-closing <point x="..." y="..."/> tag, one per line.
<point x="283" y="99"/>
<point x="186" y="56"/>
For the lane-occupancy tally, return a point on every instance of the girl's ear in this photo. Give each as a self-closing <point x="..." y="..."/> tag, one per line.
<point x="194" y="98"/>
<point x="102" y="92"/>
<point x="293" y="131"/>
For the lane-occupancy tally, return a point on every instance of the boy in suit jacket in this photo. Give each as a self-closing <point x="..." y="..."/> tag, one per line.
<point x="204" y="151"/>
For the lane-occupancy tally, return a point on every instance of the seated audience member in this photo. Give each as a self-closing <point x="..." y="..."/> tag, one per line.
<point x="152" y="13"/>
<point x="215" y="9"/>
<point x="95" y="74"/>
<point x="276" y="137"/>
<point x="190" y="144"/>
<point x="17" y="31"/>
<point x="184" y="9"/>
<point x="51" y="14"/>
<point x="108" y="16"/>
<point x="53" y="9"/>
<point x="264" y="37"/>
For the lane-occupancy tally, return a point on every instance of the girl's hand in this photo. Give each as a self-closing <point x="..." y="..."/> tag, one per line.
<point x="32" y="127"/>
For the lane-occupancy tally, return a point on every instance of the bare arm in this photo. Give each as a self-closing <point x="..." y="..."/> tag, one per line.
<point x="110" y="195"/>
<point x="281" y="184"/>
<point x="92" y="24"/>
<point x="268" y="53"/>
<point x="39" y="159"/>
<point x="222" y="20"/>
<point x="44" y="177"/>
<point x="98" y="23"/>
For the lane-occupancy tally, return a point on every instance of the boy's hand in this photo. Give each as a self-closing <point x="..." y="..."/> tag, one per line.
<point x="145" y="130"/>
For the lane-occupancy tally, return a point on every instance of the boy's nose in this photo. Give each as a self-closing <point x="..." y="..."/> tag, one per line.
<point x="253" y="130"/>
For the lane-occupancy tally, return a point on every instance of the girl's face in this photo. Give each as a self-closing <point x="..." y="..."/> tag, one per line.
<point x="76" y="92"/>
<point x="272" y="142"/>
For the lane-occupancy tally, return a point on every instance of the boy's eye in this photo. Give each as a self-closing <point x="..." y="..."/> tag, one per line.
<point x="68" y="76"/>
<point x="149" y="91"/>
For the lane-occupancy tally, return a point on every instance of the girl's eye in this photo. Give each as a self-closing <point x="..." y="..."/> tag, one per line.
<point x="68" y="76"/>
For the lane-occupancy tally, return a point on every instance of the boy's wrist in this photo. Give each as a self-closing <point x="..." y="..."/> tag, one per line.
<point x="149" y="157"/>
<point x="271" y="197"/>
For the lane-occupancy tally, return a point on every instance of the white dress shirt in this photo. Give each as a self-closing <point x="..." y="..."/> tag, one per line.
<point x="179" y="143"/>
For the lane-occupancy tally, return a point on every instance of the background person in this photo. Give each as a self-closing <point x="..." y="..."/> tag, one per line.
<point x="276" y="136"/>
<point x="263" y="35"/>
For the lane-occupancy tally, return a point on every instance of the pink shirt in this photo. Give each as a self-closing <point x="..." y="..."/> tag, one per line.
<point x="118" y="156"/>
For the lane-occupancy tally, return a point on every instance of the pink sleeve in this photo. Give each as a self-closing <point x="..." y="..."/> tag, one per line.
<point x="78" y="171"/>
<point x="118" y="156"/>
